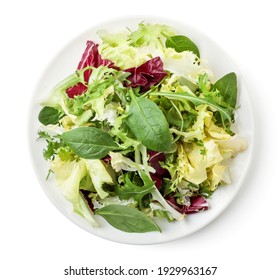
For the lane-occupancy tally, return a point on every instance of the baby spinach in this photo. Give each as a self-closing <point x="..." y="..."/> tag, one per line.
<point x="89" y="142"/>
<point x="49" y="115"/>
<point x="148" y="124"/>
<point x="182" y="43"/>
<point x="227" y="86"/>
<point x="126" y="218"/>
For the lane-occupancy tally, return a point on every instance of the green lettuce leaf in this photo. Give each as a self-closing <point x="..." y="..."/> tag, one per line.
<point x="99" y="175"/>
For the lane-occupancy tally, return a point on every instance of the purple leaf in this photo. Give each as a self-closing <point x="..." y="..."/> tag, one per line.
<point x="157" y="177"/>
<point x="90" y="57"/>
<point x="197" y="204"/>
<point x="146" y="75"/>
<point x="77" y="89"/>
<point x="87" y="199"/>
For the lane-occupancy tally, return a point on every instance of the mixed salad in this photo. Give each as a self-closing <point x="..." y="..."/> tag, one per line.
<point x="141" y="130"/>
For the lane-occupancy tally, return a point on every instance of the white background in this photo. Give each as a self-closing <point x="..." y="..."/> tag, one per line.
<point x="37" y="242"/>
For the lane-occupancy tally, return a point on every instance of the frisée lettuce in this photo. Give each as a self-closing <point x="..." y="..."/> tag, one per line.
<point x="141" y="130"/>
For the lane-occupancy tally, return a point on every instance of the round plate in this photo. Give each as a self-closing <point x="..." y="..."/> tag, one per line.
<point x="219" y="62"/>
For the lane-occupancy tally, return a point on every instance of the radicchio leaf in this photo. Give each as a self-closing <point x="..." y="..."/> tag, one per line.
<point x="75" y="90"/>
<point x="146" y="75"/>
<point x="197" y="204"/>
<point x="90" y="57"/>
<point x="157" y="177"/>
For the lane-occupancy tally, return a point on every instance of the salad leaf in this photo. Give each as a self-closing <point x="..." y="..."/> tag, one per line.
<point x="65" y="153"/>
<point x="133" y="48"/>
<point x="150" y="34"/>
<point x="225" y="112"/>
<point x="146" y="75"/>
<point x="197" y="203"/>
<point x="54" y="144"/>
<point x="49" y="115"/>
<point x="195" y="161"/>
<point x="173" y="212"/>
<point x="231" y="146"/>
<point x="154" y="161"/>
<point x="122" y="134"/>
<point x="120" y="162"/>
<point x="58" y="93"/>
<point x="90" y="57"/>
<point x="206" y="90"/>
<point x="127" y="219"/>
<point x="184" y="64"/>
<point x="182" y="43"/>
<point x="86" y="187"/>
<point x="102" y="86"/>
<point x="89" y="142"/>
<point x="185" y="170"/>
<point x="83" y="209"/>
<point x="76" y="90"/>
<point x="227" y="86"/>
<point x="99" y="175"/>
<point x="148" y="124"/>
<point x="68" y="175"/>
<point x="131" y="190"/>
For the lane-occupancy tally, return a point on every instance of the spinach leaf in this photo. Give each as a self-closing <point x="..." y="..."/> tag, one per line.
<point x="224" y="112"/>
<point x="182" y="43"/>
<point x="127" y="219"/>
<point x="49" y="115"/>
<point x="132" y="190"/>
<point x="89" y="142"/>
<point x="227" y="86"/>
<point x="148" y="124"/>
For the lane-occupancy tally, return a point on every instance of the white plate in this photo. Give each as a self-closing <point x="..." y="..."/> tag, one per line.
<point x="66" y="62"/>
